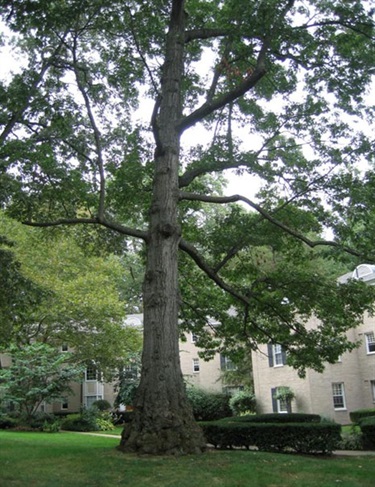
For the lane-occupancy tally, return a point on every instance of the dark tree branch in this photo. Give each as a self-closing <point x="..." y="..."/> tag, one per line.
<point x="130" y="232"/>
<point x="243" y="87"/>
<point x="354" y="28"/>
<point x="96" y="131"/>
<point x="17" y="115"/>
<point x="201" y="34"/>
<point x="198" y="259"/>
<point x="267" y="216"/>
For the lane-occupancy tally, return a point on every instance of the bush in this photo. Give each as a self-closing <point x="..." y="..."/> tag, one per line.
<point x="84" y="421"/>
<point x="7" y="422"/>
<point x="367" y="426"/>
<point x="276" y="418"/>
<point x="242" y="402"/>
<point x="208" y="406"/>
<point x="356" y="416"/>
<point x="102" y="405"/>
<point x="275" y="437"/>
<point x="88" y="420"/>
<point x="351" y="441"/>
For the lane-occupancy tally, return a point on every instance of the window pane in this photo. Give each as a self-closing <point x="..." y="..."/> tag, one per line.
<point x="195" y="365"/>
<point x="277" y="355"/>
<point x="91" y="373"/>
<point x="338" y="395"/>
<point x="370" y="342"/>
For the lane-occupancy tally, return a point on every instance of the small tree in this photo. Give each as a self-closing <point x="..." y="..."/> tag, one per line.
<point x="37" y="374"/>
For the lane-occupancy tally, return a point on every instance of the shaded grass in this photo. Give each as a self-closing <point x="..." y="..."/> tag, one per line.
<point x="71" y="459"/>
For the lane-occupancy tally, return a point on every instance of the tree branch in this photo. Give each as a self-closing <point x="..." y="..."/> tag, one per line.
<point x="97" y="135"/>
<point x="16" y="116"/>
<point x="243" y="87"/>
<point x="198" y="259"/>
<point x="235" y="198"/>
<point x="191" y="35"/>
<point x="130" y="232"/>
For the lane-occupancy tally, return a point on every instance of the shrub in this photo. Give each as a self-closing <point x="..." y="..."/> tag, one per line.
<point x="351" y="441"/>
<point x="242" y="402"/>
<point x="208" y="406"/>
<point x="102" y="405"/>
<point x="297" y="437"/>
<point x="84" y="421"/>
<point x="51" y="427"/>
<point x="356" y="416"/>
<point x="367" y="426"/>
<point x="7" y="422"/>
<point x="276" y="418"/>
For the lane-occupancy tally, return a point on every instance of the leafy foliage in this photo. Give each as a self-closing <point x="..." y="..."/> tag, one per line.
<point x="308" y="438"/>
<point x="243" y="402"/>
<point x="208" y="406"/>
<point x="37" y="374"/>
<point x="280" y="90"/>
<point x="55" y="293"/>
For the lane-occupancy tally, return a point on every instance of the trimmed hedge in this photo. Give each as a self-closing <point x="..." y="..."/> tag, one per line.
<point x="356" y="416"/>
<point x="311" y="437"/>
<point x="367" y="426"/>
<point x="208" y="406"/>
<point x="275" y="418"/>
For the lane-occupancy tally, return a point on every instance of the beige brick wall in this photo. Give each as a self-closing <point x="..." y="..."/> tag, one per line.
<point x="356" y="370"/>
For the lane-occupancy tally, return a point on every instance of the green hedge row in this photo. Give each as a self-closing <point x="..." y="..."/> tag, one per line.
<point x="314" y="438"/>
<point x="356" y="416"/>
<point x="275" y="418"/>
<point x="367" y="426"/>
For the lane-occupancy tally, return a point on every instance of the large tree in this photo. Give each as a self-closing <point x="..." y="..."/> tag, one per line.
<point x="53" y="292"/>
<point x="278" y="90"/>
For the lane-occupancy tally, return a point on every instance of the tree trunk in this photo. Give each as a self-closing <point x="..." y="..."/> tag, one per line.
<point x="163" y="422"/>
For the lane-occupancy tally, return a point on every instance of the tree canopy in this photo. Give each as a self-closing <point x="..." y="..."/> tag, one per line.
<point x="278" y="90"/>
<point x="55" y="293"/>
<point x="38" y="373"/>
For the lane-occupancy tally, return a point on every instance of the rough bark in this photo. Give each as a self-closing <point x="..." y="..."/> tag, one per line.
<point x="163" y="422"/>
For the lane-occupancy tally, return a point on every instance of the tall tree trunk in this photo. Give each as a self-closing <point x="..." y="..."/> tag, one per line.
<point x="163" y="421"/>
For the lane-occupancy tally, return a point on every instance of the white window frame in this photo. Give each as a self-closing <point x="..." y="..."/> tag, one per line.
<point x="65" y="347"/>
<point x="196" y="365"/>
<point x="90" y="369"/>
<point x="91" y="399"/>
<point x="282" y="406"/>
<point x="228" y="364"/>
<point x="370" y="342"/>
<point x="338" y="391"/>
<point x="372" y="383"/>
<point x="277" y="353"/>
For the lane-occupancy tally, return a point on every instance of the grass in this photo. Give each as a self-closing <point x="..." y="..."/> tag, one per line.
<point x="66" y="459"/>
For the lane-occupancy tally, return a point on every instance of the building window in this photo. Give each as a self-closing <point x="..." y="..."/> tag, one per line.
<point x="64" y="347"/>
<point x="64" y="404"/>
<point x="91" y="372"/>
<point x="89" y="400"/>
<point x="276" y="355"/>
<point x="226" y="363"/>
<point x="338" y="394"/>
<point x="370" y="342"/>
<point x="196" y="365"/>
<point x="373" y="390"/>
<point x="194" y="337"/>
<point x="280" y="405"/>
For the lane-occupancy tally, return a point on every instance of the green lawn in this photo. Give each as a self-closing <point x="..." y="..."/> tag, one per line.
<point x="71" y="459"/>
